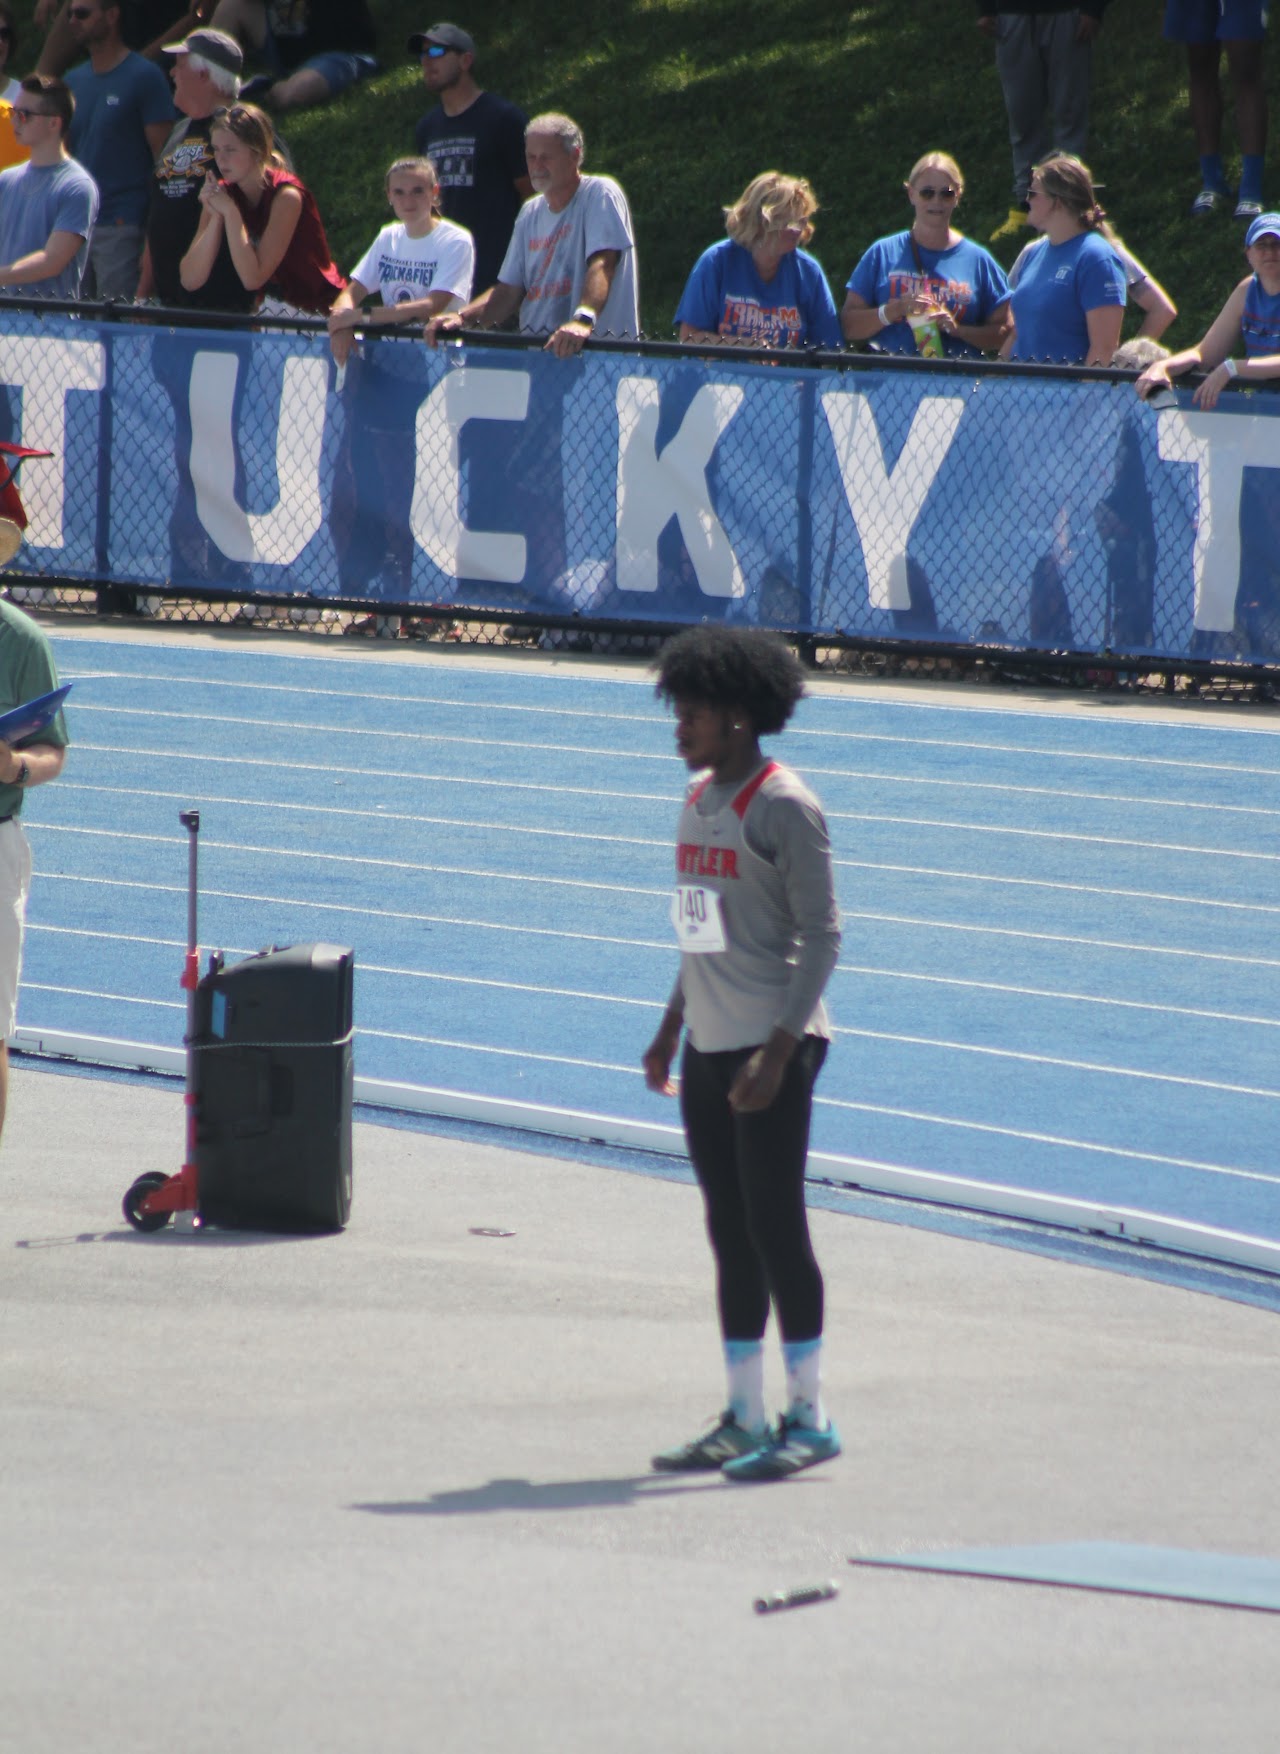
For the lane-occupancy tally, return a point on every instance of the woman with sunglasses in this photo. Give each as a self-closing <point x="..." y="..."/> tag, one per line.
<point x="263" y="218"/>
<point x="1068" y="305"/>
<point x="932" y="272"/>
<point x="757" y="287"/>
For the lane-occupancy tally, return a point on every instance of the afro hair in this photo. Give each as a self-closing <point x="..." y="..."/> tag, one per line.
<point x="740" y="669"/>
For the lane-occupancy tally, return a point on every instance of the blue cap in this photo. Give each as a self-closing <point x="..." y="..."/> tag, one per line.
<point x="1266" y="225"/>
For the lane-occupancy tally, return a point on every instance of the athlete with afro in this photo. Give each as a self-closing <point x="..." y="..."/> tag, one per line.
<point x="759" y="932"/>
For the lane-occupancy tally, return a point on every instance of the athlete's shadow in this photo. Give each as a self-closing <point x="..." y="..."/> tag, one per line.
<point x="546" y="1495"/>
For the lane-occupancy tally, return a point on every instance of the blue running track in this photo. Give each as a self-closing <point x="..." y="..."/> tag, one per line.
<point x="1059" y="969"/>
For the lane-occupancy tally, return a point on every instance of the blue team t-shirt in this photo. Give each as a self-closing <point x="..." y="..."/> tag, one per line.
<point x="35" y="201"/>
<point x="726" y="295"/>
<point x="965" y="279"/>
<point x="107" y="133"/>
<point x="1260" y="321"/>
<point x="1060" y="284"/>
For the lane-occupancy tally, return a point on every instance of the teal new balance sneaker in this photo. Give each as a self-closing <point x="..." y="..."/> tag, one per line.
<point x="725" y="1441"/>
<point x="785" y="1451"/>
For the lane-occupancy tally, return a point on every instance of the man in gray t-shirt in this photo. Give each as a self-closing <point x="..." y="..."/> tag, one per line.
<point x="48" y="205"/>
<point x="570" y="269"/>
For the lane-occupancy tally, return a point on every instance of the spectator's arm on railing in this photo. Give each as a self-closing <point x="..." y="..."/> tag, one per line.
<point x="346" y="316"/>
<point x="1208" y="355"/>
<point x="489" y="311"/>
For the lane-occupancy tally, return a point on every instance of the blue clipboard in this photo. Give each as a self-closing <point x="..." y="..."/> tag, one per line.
<point x="24" y="721"/>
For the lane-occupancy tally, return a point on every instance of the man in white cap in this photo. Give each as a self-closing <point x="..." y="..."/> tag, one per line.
<point x="206" y="77"/>
<point x="476" y="142"/>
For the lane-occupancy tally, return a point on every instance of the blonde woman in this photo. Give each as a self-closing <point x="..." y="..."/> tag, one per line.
<point x="757" y="287"/>
<point x="263" y="217"/>
<point x="1068" y="306"/>
<point x="929" y="271"/>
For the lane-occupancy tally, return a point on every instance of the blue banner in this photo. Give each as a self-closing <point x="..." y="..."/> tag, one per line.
<point x="871" y="501"/>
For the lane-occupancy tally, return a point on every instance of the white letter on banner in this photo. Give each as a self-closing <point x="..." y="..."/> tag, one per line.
<point x="653" y="489"/>
<point x="278" y="536"/>
<point x="1220" y="446"/>
<point x="469" y="393"/>
<point x="44" y="371"/>
<point x="885" y="504"/>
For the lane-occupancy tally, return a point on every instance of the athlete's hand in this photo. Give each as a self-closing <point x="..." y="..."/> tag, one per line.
<point x="760" y="1077"/>
<point x="658" y="1056"/>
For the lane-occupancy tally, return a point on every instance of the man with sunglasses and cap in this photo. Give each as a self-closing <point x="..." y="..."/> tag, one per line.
<point x="476" y="142"/>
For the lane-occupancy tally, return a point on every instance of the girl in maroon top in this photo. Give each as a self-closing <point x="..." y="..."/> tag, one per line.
<point x="262" y="216"/>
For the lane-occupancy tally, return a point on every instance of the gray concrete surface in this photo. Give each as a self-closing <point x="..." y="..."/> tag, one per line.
<point x="389" y="1490"/>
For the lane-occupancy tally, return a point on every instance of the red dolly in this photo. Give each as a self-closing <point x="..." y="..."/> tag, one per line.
<point x="155" y="1197"/>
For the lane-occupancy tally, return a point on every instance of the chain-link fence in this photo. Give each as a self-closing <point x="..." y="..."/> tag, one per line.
<point x="942" y="517"/>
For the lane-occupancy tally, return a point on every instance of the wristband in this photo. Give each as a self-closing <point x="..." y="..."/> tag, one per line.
<point x="585" y="314"/>
<point x="883" y="314"/>
<point x="1231" y="368"/>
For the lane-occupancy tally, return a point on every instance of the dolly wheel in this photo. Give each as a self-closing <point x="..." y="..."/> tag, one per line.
<point x="132" y="1204"/>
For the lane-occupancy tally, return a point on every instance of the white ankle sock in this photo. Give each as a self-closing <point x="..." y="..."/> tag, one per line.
<point x="803" y="1360"/>
<point x="744" y="1367"/>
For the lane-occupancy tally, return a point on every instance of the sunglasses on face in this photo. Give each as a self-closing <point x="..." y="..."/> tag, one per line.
<point x="436" y="52"/>
<point x="80" y="12"/>
<point x="20" y="115"/>
<point x="928" y="193"/>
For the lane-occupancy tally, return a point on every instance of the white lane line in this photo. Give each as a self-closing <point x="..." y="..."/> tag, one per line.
<point x="1057" y="834"/>
<point x="953" y="876"/>
<point x="1133" y="759"/>
<point x="507" y="986"/>
<point x="112" y="998"/>
<point x="943" y="980"/>
<point x="967" y="1047"/>
<point x="630" y="796"/>
<point x="283" y="853"/>
<point x="906" y="1114"/>
<point x="327" y="907"/>
<point x="671" y="800"/>
<point x="479" y="1047"/>
<point x="1074" y="942"/>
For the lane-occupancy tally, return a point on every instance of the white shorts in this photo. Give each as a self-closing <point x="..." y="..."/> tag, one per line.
<point x="15" y="881"/>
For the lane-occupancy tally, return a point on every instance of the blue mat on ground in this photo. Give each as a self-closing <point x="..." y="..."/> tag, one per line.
<point x="1223" y="1580"/>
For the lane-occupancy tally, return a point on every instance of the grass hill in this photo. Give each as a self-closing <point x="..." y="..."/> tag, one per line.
<point x="685" y="100"/>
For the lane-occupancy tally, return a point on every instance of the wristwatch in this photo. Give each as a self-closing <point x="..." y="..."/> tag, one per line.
<point x="585" y="314"/>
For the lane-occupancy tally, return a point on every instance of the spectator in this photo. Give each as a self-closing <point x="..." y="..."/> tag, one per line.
<point x="571" y="264"/>
<point x="124" y="113"/>
<point x="476" y="142"/>
<point x="262" y="217"/>
<point x="206" y="77"/>
<point x="419" y="266"/>
<point x="757" y="287"/>
<point x="1142" y="287"/>
<point x="930" y="271"/>
<point x="1240" y="27"/>
<point x="9" y="87"/>
<point x="1250" y="316"/>
<point x="26" y="671"/>
<point x="1068" y="306"/>
<point x="47" y="205"/>
<point x="146" y="25"/>
<point x="1044" y="56"/>
<point x="315" y="49"/>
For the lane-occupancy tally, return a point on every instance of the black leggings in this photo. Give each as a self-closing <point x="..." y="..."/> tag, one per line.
<point x="750" y="1168"/>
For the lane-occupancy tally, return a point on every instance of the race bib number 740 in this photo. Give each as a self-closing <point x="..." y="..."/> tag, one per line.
<point x="698" y="919"/>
